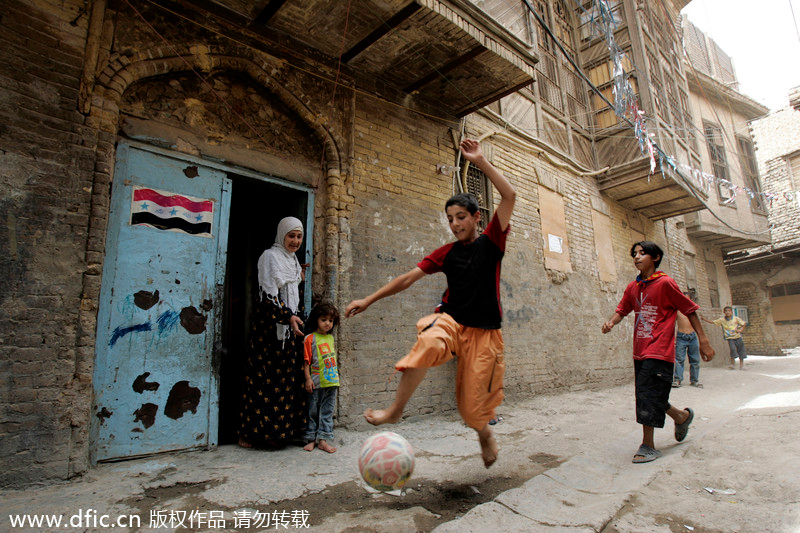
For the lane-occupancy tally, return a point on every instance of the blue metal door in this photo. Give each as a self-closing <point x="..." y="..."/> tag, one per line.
<point x="155" y="380"/>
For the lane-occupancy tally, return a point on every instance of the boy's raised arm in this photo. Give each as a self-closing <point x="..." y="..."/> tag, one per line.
<point x="471" y="149"/>
<point x="398" y="284"/>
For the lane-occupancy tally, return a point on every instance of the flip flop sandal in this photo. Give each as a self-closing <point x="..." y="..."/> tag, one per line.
<point x="682" y="429"/>
<point x="645" y="454"/>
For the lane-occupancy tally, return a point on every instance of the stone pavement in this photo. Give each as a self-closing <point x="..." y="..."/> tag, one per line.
<point x="565" y="465"/>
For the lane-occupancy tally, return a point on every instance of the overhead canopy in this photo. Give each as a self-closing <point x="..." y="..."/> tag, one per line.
<point x="446" y="55"/>
<point x="655" y="196"/>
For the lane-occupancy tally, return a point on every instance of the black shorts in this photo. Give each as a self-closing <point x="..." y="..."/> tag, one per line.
<point x="653" y="384"/>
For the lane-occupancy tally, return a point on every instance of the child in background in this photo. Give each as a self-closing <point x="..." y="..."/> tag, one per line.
<point x="656" y="299"/>
<point x="732" y="328"/>
<point x="322" y="377"/>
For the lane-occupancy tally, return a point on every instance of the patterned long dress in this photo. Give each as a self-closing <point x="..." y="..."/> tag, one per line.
<point x="274" y="408"/>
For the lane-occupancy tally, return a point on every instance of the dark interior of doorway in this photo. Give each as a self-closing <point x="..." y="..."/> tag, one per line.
<point x="256" y="208"/>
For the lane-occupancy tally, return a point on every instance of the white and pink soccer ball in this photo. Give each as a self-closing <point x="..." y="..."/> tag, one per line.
<point x="386" y="461"/>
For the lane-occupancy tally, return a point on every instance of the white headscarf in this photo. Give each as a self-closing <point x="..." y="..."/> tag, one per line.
<point x="279" y="272"/>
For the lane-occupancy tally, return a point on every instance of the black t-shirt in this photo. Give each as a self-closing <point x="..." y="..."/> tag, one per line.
<point x="473" y="277"/>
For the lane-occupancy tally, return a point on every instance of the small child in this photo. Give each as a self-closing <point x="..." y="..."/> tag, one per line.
<point x="655" y="298"/>
<point x="322" y="376"/>
<point x="732" y="328"/>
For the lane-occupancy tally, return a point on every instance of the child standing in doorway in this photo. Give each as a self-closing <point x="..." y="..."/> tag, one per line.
<point x="655" y="298"/>
<point x="322" y="377"/>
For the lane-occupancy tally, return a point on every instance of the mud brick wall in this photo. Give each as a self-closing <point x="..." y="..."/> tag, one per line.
<point x="46" y="167"/>
<point x="773" y="148"/>
<point x="378" y="213"/>
<point x="398" y="218"/>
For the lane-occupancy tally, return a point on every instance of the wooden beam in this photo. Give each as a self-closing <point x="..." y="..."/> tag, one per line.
<point x="474" y="106"/>
<point x="269" y="11"/>
<point x="444" y="69"/>
<point x="381" y="30"/>
<point x="653" y="190"/>
<point x="670" y="214"/>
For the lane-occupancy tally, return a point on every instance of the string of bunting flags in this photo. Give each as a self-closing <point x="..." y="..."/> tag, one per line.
<point x="626" y="106"/>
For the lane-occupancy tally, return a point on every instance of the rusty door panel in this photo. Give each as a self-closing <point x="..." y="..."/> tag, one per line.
<point x="154" y="385"/>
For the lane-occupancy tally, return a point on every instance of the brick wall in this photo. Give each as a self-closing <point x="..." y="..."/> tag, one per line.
<point x="47" y="163"/>
<point x="396" y="221"/>
<point x="776" y="137"/>
<point x="397" y="218"/>
<point x="375" y="220"/>
<point x="749" y="288"/>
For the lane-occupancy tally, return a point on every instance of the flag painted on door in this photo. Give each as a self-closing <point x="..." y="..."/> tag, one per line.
<point x="172" y="212"/>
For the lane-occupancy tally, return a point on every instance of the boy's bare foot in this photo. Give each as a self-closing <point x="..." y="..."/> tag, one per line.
<point x="324" y="446"/>
<point x="244" y="444"/>
<point x="489" y="449"/>
<point x="310" y="446"/>
<point x="381" y="416"/>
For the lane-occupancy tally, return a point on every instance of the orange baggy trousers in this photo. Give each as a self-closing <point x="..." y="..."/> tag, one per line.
<point x="480" y="363"/>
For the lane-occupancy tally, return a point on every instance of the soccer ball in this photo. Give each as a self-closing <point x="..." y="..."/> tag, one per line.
<point x="386" y="461"/>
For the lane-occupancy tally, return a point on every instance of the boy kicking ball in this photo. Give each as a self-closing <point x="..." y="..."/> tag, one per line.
<point x="655" y="299"/>
<point x="468" y="325"/>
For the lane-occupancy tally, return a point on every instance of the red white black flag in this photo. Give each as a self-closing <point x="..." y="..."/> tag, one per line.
<point x="172" y="212"/>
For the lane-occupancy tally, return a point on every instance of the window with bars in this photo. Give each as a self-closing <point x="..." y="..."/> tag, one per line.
<point x="747" y="160"/>
<point x="554" y="71"/>
<point x="719" y="163"/>
<point x="601" y="75"/>
<point x="688" y="123"/>
<point x="479" y="186"/>
<point x="563" y="28"/>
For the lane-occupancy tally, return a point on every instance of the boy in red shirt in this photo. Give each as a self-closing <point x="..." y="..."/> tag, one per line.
<point x="655" y="298"/>
<point x="467" y="324"/>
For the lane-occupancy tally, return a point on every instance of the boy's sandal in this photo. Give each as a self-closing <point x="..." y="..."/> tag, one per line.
<point x="676" y="384"/>
<point x="696" y="384"/>
<point x="682" y="429"/>
<point x="645" y="454"/>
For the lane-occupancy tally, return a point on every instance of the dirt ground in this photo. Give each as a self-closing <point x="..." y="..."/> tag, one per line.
<point x="738" y="471"/>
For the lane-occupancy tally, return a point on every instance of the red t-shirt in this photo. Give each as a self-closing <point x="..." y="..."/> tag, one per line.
<point x="655" y="306"/>
<point x="472" y="297"/>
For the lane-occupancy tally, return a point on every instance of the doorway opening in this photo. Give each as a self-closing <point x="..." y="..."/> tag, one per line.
<point x="256" y="208"/>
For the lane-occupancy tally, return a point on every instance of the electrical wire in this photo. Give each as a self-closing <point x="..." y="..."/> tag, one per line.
<point x="335" y="81"/>
<point x="661" y="153"/>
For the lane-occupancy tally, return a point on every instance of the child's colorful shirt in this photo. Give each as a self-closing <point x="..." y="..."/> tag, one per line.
<point x="655" y="303"/>
<point x="729" y="327"/>
<point x="320" y="356"/>
<point x="472" y="297"/>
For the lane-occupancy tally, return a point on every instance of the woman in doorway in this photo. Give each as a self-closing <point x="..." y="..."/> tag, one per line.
<point x="274" y="401"/>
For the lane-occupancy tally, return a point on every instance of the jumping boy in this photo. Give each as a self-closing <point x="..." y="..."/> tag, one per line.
<point x="468" y="321"/>
<point x="655" y="298"/>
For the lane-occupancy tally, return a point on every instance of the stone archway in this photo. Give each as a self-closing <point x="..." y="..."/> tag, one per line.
<point x="120" y="73"/>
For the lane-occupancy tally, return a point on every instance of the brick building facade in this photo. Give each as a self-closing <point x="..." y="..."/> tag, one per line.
<point x="291" y="125"/>
<point x="767" y="279"/>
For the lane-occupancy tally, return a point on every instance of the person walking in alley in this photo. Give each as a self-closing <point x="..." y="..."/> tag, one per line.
<point x="655" y="299"/>
<point x="686" y="345"/>
<point x="467" y="324"/>
<point x="732" y="328"/>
